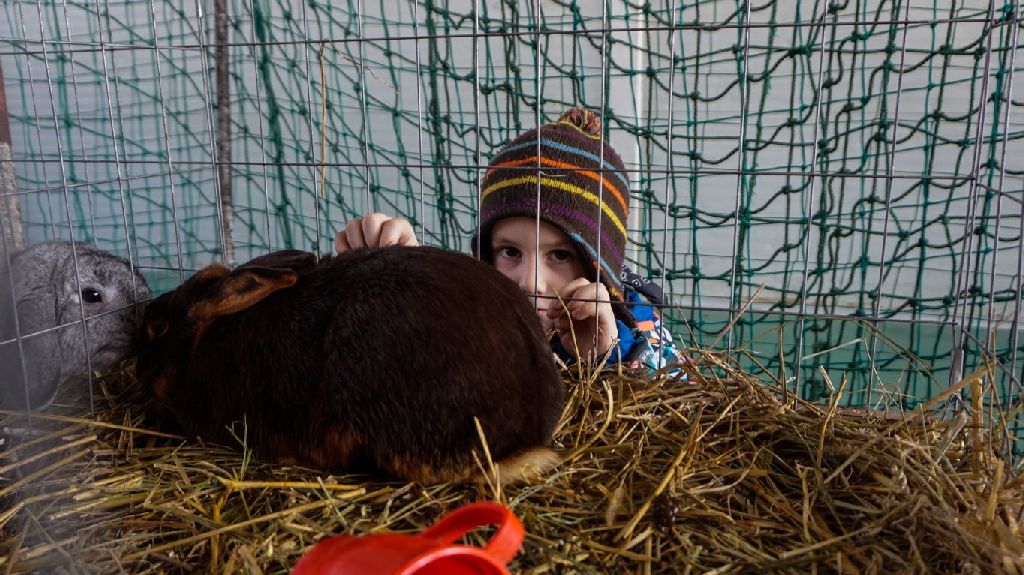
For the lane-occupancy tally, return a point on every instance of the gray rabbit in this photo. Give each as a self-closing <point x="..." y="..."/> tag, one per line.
<point x="48" y="303"/>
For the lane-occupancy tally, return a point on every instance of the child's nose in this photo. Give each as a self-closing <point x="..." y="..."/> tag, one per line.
<point x="531" y="280"/>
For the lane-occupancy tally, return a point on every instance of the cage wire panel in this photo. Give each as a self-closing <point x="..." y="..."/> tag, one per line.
<point x="844" y="171"/>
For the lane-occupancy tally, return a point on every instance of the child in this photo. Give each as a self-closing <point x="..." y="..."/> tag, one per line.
<point x="563" y="260"/>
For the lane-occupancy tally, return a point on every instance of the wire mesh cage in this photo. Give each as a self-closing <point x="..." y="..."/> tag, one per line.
<point x="818" y="184"/>
<point x="825" y="190"/>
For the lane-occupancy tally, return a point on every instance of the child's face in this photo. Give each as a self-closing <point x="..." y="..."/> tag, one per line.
<point x="540" y="268"/>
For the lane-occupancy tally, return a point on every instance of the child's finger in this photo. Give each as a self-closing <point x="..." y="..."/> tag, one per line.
<point x="589" y="301"/>
<point x="562" y="300"/>
<point x="341" y="242"/>
<point x="556" y="310"/>
<point x="569" y="290"/>
<point x="354" y="233"/>
<point x="371" y="227"/>
<point x="397" y="232"/>
<point x="562" y="324"/>
<point x="565" y="302"/>
<point x="581" y="309"/>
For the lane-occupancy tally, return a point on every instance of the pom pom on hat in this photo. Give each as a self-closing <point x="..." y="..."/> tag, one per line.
<point x="588" y="122"/>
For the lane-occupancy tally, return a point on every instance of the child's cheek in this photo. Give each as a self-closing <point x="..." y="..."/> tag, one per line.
<point x="503" y="266"/>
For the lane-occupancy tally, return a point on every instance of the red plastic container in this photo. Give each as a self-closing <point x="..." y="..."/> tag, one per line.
<point x="428" y="553"/>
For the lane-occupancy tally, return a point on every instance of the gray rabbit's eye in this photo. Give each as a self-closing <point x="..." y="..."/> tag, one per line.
<point x="90" y="295"/>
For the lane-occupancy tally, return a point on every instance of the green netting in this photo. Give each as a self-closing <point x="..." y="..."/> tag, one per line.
<point x="856" y="158"/>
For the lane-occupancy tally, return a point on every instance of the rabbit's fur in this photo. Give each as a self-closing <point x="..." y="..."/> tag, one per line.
<point x="48" y="303"/>
<point x="376" y="358"/>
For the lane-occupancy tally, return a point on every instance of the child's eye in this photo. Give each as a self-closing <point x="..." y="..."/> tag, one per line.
<point x="561" y="256"/>
<point x="508" y="252"/>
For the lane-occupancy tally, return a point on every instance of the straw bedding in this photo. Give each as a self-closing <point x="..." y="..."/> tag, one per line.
<point x="723" y="475"/>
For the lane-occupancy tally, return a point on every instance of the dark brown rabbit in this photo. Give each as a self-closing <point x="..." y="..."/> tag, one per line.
<point x="379" y="357"/>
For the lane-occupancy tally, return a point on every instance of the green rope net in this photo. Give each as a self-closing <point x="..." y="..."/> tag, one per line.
<point x="846" y="168"/>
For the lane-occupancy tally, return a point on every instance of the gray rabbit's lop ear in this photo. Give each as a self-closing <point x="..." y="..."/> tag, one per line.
<point x="36" y="386"/>
<point x="238" y="290"/>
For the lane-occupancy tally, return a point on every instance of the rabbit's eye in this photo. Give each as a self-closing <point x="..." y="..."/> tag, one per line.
<point x="90" y="295"/>
<point x="156" y="329"/>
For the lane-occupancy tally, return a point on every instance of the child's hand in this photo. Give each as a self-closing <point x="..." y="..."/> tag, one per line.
<point x="589" y="326"/>
<point x="374" y="230"/>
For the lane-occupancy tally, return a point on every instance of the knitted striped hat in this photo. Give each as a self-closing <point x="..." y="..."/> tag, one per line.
<point x="583" y="188"/>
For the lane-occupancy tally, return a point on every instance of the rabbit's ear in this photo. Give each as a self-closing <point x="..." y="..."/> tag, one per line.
<point x="295" y="260"/>
<point x="240" y="289"/>
<point x="37" y="312"/>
